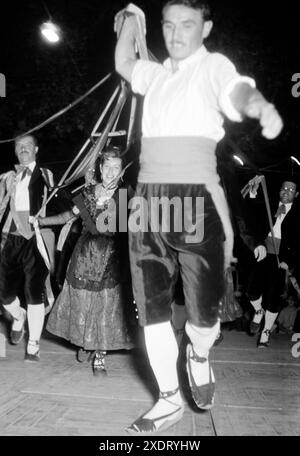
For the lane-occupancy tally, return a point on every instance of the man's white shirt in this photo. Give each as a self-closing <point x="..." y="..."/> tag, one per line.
<point x="22" y="190"/>
<point x="279" y="220"/>
<point x="190" y="101"/>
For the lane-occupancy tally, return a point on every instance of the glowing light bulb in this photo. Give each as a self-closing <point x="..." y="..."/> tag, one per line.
<point x="50" y="32"/>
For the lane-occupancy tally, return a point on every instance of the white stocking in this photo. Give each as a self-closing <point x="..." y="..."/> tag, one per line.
<point x="162" y="352"/>
<point x="202" y="339"/>
<point x="14" y="309"/>
<point x="35" y="316"/>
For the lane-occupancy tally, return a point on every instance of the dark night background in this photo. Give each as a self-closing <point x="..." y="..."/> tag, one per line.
<point x="260" y="38"/>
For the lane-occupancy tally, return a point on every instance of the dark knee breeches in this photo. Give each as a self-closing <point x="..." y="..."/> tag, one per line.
<point x="158" y="256"/>
<point x="22" y="268"/>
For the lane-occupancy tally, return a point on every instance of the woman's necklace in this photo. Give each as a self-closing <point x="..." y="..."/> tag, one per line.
<point x="102" y="194"/>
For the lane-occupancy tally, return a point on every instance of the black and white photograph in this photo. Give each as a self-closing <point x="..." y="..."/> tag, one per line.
<point x="149" y="222"/>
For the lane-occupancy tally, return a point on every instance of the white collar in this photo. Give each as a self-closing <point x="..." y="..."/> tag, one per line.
<point x="31" y="165"/>
<point x="287" y="205"/>
<point x="196" y="56"/>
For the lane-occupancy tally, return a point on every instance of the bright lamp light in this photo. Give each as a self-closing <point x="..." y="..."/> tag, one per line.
<point x="238" y="159"/>
<point x="295" y="160"/>
<point x="50" y="32"/>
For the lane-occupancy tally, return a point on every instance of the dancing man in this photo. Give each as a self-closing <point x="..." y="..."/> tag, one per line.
<point x="182" y="123"/>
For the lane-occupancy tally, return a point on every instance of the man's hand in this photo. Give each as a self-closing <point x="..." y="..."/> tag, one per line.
<point x="270" y="121"/>
<point x="284" y="266"/>
<point x="129" y="25"/>
<point x="33" y="220"/>
<point x="119" y="21"/>
<point x="260" y="252"/>
<point x="36" y="221"/>
<point x="267" y="115"/>
<point x="130" y="10"/>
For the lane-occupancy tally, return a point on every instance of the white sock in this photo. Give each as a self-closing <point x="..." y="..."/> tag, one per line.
<point x="162" y="352"/>
<point x="270" y="319"/>
<point x="257" y="306"/>
<point x="14" y="309"/>
<point x="257" y="303"/>
<point x="35" y="316"/>
<point x="202" y="340"/>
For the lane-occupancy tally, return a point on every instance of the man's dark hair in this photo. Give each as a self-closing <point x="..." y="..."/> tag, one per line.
<point x="30" y="136"/>
<point x="289" y="178"/>
<point x="195" y="4"/>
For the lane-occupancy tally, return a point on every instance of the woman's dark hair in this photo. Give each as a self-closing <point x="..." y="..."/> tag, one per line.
<point x="107" y="153"/>
<point x="203" y="6"/>
<point x="110" y="152"/>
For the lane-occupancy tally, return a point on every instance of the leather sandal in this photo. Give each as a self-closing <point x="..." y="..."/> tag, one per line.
<point x="33" y="357"/>
<point x="17" y="335"/>
<point x="254" y="327"/>
<point x="203" y="395"/>
<point x="144" y="426"/>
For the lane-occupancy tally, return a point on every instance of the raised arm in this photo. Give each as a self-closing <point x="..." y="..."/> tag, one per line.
<point x="125" y="55"/>
<point x="251" y="103"/>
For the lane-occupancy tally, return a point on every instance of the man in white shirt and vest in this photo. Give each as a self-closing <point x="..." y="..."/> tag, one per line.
<point x="266" y="283"/>
<point x="185" y="99"/>
<point x="21" y="263"/>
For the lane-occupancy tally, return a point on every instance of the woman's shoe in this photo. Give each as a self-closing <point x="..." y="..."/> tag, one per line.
<point x="84" y="355"/>
<point x="264" y="339"/>
<point x="145" y="426"/>
<point x="99" y="363"/>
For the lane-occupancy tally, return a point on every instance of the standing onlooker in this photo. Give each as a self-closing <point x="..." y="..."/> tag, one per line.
<point x="21" y="263"/>
<point x="267" y="281"/>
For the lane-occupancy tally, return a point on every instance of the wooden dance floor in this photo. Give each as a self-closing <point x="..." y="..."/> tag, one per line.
<point x="258" y="392"/>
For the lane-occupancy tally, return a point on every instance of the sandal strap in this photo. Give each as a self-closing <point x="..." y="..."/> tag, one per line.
<point x="197" y="358"/>
<point x="165" y="395"/>
<point x="259" y="311"/>
<point x="36" y="343"/>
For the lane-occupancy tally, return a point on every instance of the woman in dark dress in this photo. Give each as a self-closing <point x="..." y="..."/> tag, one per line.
<point x="95" y="308"/>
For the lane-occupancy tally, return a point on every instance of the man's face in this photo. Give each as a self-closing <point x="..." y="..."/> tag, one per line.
<point x="25" y="150"/>
<point x="184" y="30"/>
<point x="288" y="192"/>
